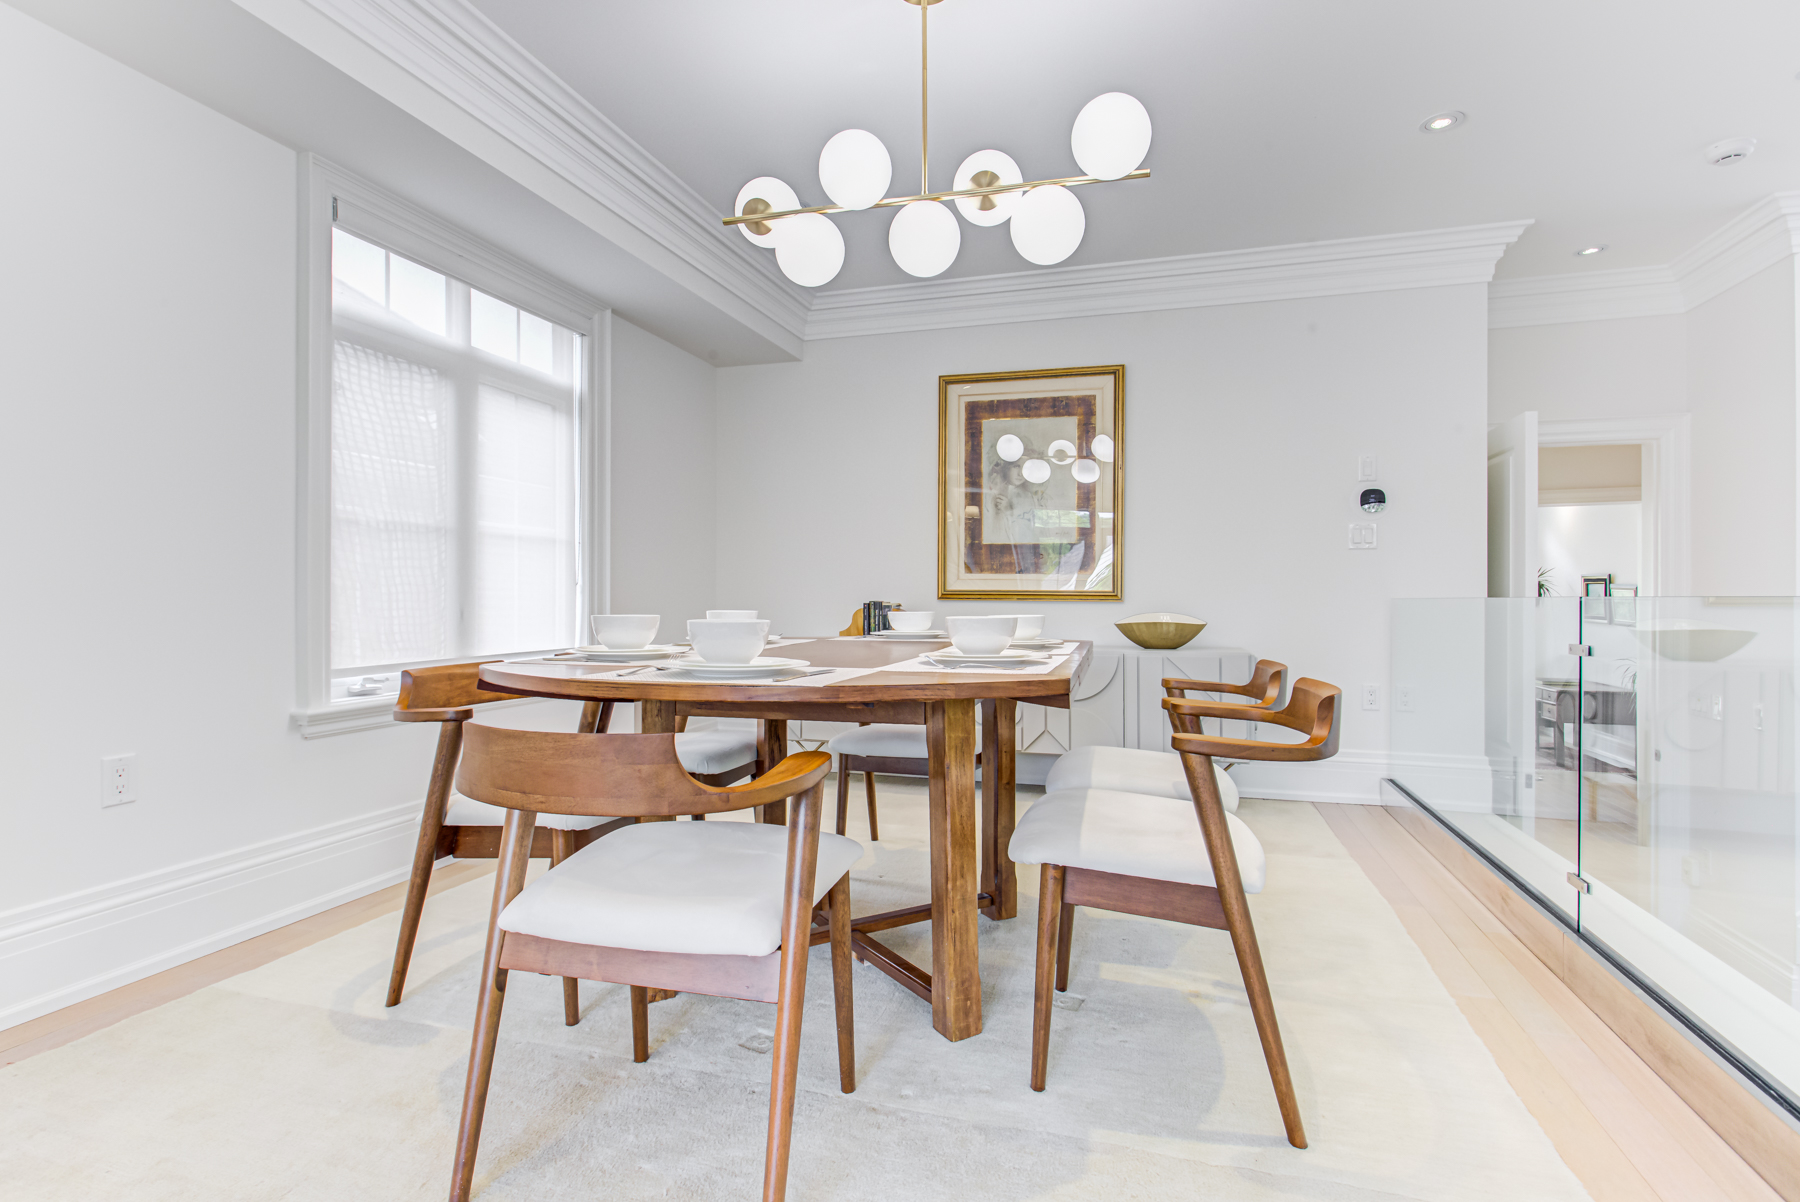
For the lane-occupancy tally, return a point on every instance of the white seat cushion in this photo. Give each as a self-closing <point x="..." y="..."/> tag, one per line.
<point x="882" y="739"/>
<point x="466" y="811"/>
<point x="705" y="888"/>
<point x="720" y="749"/>
<point x="1128" y="770"/>
<point x="1133" y="834"/>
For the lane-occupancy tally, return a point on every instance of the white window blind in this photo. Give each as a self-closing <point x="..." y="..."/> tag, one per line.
<point x="453" y="488"/>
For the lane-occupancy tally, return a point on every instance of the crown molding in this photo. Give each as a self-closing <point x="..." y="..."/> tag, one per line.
<point x="1759" y="237"/>
<point x="447" y="65"/>
<point x="1383" y="263"/>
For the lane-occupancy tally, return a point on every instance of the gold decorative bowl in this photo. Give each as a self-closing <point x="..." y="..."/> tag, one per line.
<point x="1161" y="632"/>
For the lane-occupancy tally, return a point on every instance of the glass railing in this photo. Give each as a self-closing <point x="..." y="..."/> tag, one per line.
<point x="1630" y="762"/>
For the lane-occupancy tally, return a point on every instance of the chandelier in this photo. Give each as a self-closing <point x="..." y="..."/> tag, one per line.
<point x="1110" y="138"/>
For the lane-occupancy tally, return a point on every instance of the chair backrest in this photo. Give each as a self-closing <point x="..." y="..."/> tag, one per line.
<point x="1263" y="688"/>
<point x="446" y="693"/>
<point x="610" y="775"/>
<point x="1311" y="710"/>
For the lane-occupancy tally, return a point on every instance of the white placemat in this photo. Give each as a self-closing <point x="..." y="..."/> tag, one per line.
<point x="918" y="664"/>
<point x="677" y="676"/>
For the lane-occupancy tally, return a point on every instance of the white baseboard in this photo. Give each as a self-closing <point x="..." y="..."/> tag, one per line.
<point x="67" y="949"/>
<point x="1353" y="777"/>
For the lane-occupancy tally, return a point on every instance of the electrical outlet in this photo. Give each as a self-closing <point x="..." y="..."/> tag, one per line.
<point x="1362" y="536"/>
<point x="1371" y="697"/>
<point x="1403" y="702"/>
<point x="118" y="780"/>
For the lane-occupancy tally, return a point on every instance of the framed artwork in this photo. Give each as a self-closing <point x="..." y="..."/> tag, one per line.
<point x="1031" y="484"/>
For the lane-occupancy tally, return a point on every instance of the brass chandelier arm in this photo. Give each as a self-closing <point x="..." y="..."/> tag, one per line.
<point x="891" y="201"/>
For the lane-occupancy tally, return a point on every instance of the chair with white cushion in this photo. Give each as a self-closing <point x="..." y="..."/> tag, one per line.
<point x="893" y="748"/>
<point x="459" y="826"/>
<point x="1159" y="773"/>
<point x="1147" y="855"/>
<point x="720" y="908"/>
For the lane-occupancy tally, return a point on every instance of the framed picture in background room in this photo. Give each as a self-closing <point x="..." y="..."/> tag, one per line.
<point x="1031" y="484"/>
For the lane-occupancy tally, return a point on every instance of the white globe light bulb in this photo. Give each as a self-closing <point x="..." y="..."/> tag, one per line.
<point x="1061" y="451"/>
<point x="924" y="238"/>
<point x="809" y="249"/>
<point x="1001" y="205"/>
<point x="780" y="199"/>
<point x="1036" y="471"/>
<point x="854" y="169"/>
<point x="1085" y="470"/>
<point x="1102" y="447"/>
<point x="1009" y="447"/>
<point x="1111" y="136"/>
<point x="1048" y="224"/>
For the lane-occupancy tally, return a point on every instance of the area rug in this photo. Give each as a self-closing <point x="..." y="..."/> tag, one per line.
<point x="293" y="1082"/>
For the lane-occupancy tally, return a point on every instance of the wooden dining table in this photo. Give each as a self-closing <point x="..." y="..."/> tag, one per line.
<point x="971" y="874"/>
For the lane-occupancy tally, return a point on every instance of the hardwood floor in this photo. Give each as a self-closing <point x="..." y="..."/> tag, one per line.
<point x="1625" y="1133"/>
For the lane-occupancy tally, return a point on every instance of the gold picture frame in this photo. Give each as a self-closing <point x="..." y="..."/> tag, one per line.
<point x="1031" y="485"/>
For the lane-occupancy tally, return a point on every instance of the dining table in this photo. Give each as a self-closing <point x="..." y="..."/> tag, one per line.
<point x="969" y="828"/>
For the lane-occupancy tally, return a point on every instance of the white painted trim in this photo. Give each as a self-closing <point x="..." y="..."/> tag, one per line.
<point x="370" y="713"/>
<point x="1351" y="776"/>
<point x="1587" y="296"/>
<point x="1383" y="263"/>
<point x="1665" y="491"/>
<point x="1755" y="239"/>
<point x="61" y="951"/>
<point x="1624" y="494"/>
<point x="368" y="209"/>
<point x="445" y="63"/>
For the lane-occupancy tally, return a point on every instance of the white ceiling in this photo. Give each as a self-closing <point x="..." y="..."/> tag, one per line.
<point x="1277" y="121"/>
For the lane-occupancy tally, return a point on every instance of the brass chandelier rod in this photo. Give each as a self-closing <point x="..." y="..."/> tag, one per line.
<point x="924" y="106"/>
<point x="749" y="218"/>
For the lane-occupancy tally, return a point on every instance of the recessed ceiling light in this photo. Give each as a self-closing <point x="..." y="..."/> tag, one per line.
<point x="1590" y="250"/>
<point x="1440" y="122"/>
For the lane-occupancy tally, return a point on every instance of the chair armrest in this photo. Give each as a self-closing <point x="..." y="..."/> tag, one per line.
<point x="1191" y="708"/>
<point x="1253" y="749"/>
<point x="462" y="714"/>
<point x="795" y="774"/>
<point x="1176" y="686"/>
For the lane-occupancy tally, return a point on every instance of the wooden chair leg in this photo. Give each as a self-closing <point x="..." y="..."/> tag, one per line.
<point x="1230" y="884"/>
<point x="796" y="941"/>
<point x="640" y="1024"/>
<point x="1064" y="936"/>
<point x="562" y="846"/>
<point x="843" y="798"/>
<point x="839" y="917"/>
<point x="431" y="825"/>
<point x="515" y="854"/>
<point x="869" y="787"/>
<point x="1050" y="910"/>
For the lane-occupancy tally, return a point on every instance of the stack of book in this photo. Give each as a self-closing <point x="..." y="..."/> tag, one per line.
<point x="875" y="615"/>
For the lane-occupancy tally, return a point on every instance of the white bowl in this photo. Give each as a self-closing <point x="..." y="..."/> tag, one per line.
<point x="727" y="641"/>
<point x="624" y="632"/>
<point x="1031" y="626"/>
<point x="731" y="615"/>
<point x="982" y="636"/>
<point x="910" y="619"/>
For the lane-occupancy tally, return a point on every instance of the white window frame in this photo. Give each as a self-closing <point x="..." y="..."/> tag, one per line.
<point x="330" y="196"/>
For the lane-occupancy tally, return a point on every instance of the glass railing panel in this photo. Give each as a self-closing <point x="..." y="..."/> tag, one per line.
<point x="1689" y="836"/>
<point x="1484" y="725"/>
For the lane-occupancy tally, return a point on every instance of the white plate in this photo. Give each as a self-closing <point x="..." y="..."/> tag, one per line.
<point x="606" y="655"/>
<point x="763" y="665"/>
<point x="1036" y="644"/>
<point x="1005" y="657"/>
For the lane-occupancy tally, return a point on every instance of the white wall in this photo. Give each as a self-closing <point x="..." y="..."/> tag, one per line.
<point x="1242" y="429"/>
<point x="662" y="549"/>
<point x="1589" y="369"/>
<point x="1742" y="390"/>
<point x="1589" y="540"/>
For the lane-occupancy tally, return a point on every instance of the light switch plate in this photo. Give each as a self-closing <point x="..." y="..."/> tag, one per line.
<point x="1362" y="536"/>
<point x="1366" y="468"/>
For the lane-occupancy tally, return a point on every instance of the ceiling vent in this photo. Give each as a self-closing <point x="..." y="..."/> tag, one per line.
<point x="1731" y="150"/>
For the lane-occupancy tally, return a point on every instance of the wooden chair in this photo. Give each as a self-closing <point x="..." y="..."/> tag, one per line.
<point x="893" y="748"/>
<point x="1160" y="773"/>
<point x="459" y="826"/>
<point x="722" y="908"/>
<point x="1140" y="854"/>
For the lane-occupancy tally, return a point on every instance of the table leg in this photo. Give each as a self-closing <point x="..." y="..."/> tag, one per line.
<point x="999" y="880"/>
<point x="771" y="749"/>
<point x="955" y="969"/>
